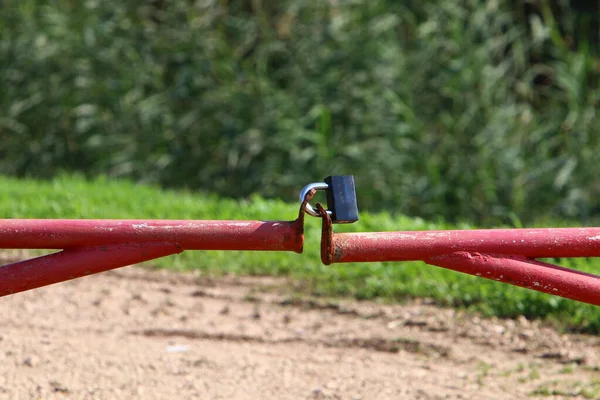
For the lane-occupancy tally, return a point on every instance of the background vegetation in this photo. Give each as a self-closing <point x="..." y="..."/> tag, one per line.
<point x="465" y="110"/>
<point x="73" y="197"/>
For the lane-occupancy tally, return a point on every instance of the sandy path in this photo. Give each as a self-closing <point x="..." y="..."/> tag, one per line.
<point x="139" y="333"/>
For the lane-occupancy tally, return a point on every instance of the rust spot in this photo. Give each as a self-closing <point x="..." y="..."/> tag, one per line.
<point x="337" y="252"/>
<point x="327" y="245"/>
<point x="298" y="225"/>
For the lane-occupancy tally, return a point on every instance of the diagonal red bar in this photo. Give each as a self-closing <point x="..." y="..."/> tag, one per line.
<point x="520" y="271"/>
<point x="77" y="262"/>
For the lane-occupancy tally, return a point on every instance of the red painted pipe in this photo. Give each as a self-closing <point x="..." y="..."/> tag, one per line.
<point x="505" y="255"/>
<point x="191" y="235"/>
<point x="92" y="246"/>
<point x="520" y="271"/>
<point x="77" y="262"/>
<point x="420" y="245"/>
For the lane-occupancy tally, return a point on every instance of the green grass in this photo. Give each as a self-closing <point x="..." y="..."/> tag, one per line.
<point x="74" y="197"/>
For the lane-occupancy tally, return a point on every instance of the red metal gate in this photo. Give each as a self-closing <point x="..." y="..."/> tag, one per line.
<point x="92" y="246"/>
<point x="505" y="255"/>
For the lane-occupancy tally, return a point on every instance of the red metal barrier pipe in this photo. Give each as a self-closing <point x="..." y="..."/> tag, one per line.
<point x="520" y="271"/>
<point x="406" y="246"/>
<point x="499" y="254"/>
<point x="92" y="246"/>
<point x="77" y="262"/>
<point x="505" y="255"/>
<point x="191" y="235"/>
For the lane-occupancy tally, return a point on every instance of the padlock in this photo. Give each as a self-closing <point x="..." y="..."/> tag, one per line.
<point x="341" y="199"/>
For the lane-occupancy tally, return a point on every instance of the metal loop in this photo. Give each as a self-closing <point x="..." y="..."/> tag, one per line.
<point x="316" y="186"/>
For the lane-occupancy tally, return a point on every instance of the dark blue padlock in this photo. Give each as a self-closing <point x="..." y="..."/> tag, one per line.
<point x="341" y="199"/>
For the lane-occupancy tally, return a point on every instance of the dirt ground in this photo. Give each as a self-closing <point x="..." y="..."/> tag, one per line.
<point x="141" y="333"/>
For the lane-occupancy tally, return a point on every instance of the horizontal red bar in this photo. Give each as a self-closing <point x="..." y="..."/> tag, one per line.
<point x="420" y="245"/>
<point x="190" y="235"/>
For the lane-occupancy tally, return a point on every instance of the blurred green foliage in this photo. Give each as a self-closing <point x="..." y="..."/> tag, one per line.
<point x="464" y="110"/>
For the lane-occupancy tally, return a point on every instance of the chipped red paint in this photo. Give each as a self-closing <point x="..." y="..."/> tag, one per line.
<point x="92" y="246"/>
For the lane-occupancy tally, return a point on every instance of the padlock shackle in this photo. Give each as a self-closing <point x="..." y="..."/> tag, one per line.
<point x="304" y="192"/>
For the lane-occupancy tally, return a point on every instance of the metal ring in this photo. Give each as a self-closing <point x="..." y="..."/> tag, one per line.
<point x="316" y="186"/>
